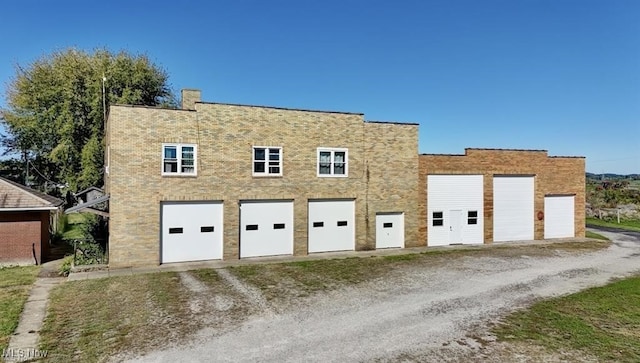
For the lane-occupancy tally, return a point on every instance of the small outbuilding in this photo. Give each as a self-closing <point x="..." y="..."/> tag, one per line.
<point x="25" y="219"/>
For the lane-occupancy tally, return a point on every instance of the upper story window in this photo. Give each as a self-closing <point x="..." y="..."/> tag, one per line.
<point x="179" y="159"/>
<point x="267" y="161"/>
<point x="333" y="162"/>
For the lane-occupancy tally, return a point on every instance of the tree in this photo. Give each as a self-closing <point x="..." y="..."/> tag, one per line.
<point x="55" y="116"/>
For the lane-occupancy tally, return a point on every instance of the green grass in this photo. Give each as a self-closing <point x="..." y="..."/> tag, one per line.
<point x="73" y="228"/>
<point x="594" y="235"/>
<point x="603" y="321"/>
<point x="15" y="283"/>
<point x="630" y="225"/>
<point x="95" y="320"/>
<point x="88" y="321"/>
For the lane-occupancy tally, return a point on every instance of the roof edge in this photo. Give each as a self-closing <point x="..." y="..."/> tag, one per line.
<point x="279" y="108"/>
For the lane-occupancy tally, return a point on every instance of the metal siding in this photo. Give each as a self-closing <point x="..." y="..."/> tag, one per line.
<point x="455" y="192"/>
<point x="393" y="236"/>
<point x="191" y="244"/>
<point x="559" y="212"/>
<point x="266" y="240"/>
<point x="513" y="208"/>
<point x="331" y="237"/>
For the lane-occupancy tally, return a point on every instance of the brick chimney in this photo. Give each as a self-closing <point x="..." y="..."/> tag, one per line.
<point x="189" y="98"/>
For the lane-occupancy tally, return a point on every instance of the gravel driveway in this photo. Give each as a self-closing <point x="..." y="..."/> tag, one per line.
<point x="419" y="314"/>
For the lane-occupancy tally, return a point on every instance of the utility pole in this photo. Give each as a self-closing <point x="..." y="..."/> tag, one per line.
<point x="104" y="102"/>
<point x="26" y="175"/>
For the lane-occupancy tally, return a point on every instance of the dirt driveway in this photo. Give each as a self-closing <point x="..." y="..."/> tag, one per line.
<point x="439" y="313"/>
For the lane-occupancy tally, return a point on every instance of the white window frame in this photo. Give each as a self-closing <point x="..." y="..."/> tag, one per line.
<point x="179" y="171"/>
<point x="266" y="161"/>
<point x="333" y="151"/>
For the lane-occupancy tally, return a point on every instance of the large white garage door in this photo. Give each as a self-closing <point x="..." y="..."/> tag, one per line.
<point x="389" y="230"/>
<point x="513" y="208"/>
<point x="559" y="216"/>
<point x="191" y="231"/>
<point x="455" y="209"/>
<point x="266" y="228"/>
<point x="332" y="225"/>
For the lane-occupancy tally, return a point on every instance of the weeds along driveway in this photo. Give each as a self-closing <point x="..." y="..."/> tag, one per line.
<point x="440" y="311"/>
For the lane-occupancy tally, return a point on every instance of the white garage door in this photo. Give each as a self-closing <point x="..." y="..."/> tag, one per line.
<point x="389" y="230"/>
<point x="266" y="228"/>
<point x="559" y="216"/>
<point x="513" y="208"/>
<point x="455" y="205"/>
<point x="191" y="231"/>
<point x="332" y="225"/>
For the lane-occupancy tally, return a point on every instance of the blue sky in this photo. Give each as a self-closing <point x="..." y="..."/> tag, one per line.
<point x="559" y="75"/>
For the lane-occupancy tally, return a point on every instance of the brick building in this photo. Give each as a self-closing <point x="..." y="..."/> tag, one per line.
<point x="491" y="195"/>
<point x="25" y="220"/>
<point x="224" y="181"/>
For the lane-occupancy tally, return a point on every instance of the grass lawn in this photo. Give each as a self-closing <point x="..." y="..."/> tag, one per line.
<point x="603" y="321"/>
<point x="74" y="226"/>
<point x="15" y="283"/>
<point x="594" y="235"/>
<point x="90" y="320"/>
<point x="630" y="225"/>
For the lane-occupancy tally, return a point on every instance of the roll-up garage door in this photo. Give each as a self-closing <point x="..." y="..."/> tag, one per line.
<point x="455" y="206"/>
<point x="191" y="231"/>
<point x="559" y="216"/>
<point x="513" y="208"/>
<point x="331" y="225"/>
<point x="266" y="228"/>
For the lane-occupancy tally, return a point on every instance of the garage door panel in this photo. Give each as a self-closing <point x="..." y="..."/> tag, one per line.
<point x="331" y="225"/>
<point x="451" y="199"/>
<point x="191" y="232"/>
<point x="266" y="228"/>
<point x="513" y="208"/>
<point x="559" y="216"/>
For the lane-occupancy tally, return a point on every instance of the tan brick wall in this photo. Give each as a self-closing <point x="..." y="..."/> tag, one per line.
<point x="553" y="175"/>
<point x="225" y="135"/>
<point x="392" y="163"/>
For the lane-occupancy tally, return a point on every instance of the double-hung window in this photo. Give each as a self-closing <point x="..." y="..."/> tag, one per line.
<point x="267" y="161"/>
<point x="333" y="162"/>
<point x="179" y="159"/>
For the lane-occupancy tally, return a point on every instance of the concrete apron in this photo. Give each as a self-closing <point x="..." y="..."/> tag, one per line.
<point x="24" y="341"/>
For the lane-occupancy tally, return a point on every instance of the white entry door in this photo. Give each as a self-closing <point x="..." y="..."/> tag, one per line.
<point x="389" y="230"/>
<point x="332" y="225"/>
<point x="455" y="226"/>
<point x="191" y="231"/>
<point x="266" y="228"/>
<point x="559" y="214"/>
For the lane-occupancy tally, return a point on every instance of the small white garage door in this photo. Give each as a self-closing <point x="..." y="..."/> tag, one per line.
<point x="266" y="228"/>
<point x="513" y="208"/>
<point x="455" y="205"/>
<point x="559" y="216"/>
<point x="389" y="230"/>
<point x="191" y="231"/>
<point x="332" y="225"/>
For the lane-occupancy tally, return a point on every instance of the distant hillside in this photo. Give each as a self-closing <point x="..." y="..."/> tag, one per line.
<point x="609" y="176"/>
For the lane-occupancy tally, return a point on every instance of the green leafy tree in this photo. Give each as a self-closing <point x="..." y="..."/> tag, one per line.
<point x="55" y="115"/>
